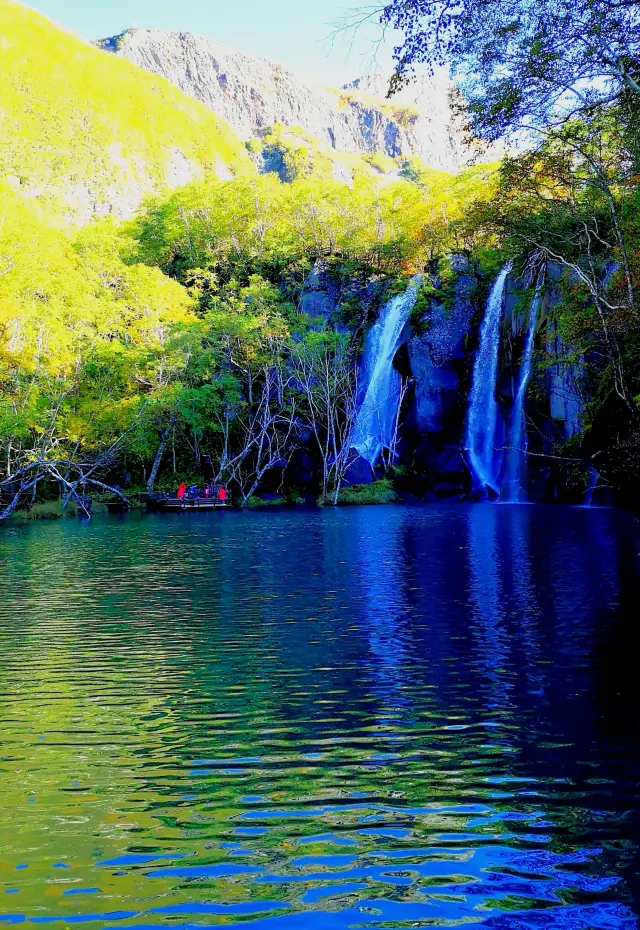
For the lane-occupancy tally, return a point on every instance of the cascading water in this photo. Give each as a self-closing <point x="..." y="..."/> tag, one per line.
<point x="593" y="477"/>
<point x="512" y="489"/>
<point x="375" y="423"/>
<point x="482" y="417"/>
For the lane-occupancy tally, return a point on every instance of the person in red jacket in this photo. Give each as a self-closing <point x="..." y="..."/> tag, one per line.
<point x="182" y="490"/>
<point x="222" y="495"/>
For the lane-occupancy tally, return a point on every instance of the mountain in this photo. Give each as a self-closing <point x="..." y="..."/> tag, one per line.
<point x="86" y="133"/>
<point x="253" y="95"/>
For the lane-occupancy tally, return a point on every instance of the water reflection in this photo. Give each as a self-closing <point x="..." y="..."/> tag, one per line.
<point x="375" y="717"/>
<point x="379" y="562"/>
<point x="485" y="574"/>
<point x="526" y="601"/>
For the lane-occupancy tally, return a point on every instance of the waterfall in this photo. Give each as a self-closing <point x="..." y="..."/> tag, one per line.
<point x="482" y="417"/>
<point x="512" y="487"/>
<point x="376" y="420"/>
<point x="593" y="477"/>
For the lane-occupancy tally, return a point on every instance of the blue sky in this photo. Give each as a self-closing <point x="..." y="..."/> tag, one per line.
<point x="294" y="32"/>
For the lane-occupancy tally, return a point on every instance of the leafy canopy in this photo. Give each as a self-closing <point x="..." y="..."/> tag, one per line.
<point x="522" y="64"/>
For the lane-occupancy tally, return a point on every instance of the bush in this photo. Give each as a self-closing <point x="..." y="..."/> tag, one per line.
<point x="258" y="503"/>
<point x="49" y="511"/>
<point x="379" y="492"/>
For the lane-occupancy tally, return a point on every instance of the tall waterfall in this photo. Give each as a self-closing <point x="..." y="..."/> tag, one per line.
<point x="482" y="417"/>
<point x="512" y="487"/>
<point x="376" y="420"/>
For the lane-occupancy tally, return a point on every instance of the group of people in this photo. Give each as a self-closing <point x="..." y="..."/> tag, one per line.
<point x="194" y="493"/>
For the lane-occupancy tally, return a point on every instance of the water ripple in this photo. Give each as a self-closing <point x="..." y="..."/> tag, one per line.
<point x="384" y="717"/>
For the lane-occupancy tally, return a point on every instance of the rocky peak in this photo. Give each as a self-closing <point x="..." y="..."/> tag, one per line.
<point x="253" y="94"/>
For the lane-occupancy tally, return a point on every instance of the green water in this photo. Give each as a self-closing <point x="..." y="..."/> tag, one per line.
<point x="388" y="717"/>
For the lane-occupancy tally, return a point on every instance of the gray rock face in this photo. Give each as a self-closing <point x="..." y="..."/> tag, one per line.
<point x="320" y="295"/>
<point x="421" y="121"/>
<point x="435" y="356"/>
<point x="253" y="94"/>
<point x="333" y="300"/>
<point x="564" y="385"/>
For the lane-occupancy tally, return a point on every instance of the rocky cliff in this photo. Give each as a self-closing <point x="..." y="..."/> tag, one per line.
<point x="253" y="94"/>
<point x="438" y="349"/>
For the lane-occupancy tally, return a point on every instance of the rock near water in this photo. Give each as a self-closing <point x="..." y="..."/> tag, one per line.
<point x="253" y="94"/>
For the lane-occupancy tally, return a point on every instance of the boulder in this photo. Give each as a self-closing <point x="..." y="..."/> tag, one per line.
<point x="360" y="472"/>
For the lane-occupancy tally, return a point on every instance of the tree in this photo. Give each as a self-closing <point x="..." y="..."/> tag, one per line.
<point x="86" y="343"/>
<point x="522" y="65"/>
<point x="51" y="459"/>
<point x="569" y="200"/>
<point x="261" y="436"/>
<point x="325" y="367"/>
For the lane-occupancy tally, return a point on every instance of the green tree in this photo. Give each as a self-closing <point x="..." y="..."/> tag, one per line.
<point x="520" y="64"/>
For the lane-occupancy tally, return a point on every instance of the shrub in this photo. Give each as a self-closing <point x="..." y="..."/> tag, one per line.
<point x="51" y="510"/>
<point x="379" y="492"/>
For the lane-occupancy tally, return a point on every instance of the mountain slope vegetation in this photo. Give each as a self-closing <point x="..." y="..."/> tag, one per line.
<point x="88" y="133"/>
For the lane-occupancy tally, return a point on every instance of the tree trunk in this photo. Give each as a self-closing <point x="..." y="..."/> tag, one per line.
<point x="8" y="510"/>
<point x="336" y="493"/>
<point x="325" y="481"/>
<point x="25" y="487"/>
<point x="155" y="468"/>
<point x="69" y="491"/>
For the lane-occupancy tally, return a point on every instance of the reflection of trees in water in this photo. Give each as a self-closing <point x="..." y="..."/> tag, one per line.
<point x="580" y="565"/>
<point x="113" y="690"/>
<point x="82" y="710"/>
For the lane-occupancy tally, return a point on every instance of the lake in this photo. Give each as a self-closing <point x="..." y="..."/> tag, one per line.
<point x="383" y="717"/>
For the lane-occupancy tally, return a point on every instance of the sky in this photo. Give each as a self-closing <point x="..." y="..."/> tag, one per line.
<point x="297" y="33"/>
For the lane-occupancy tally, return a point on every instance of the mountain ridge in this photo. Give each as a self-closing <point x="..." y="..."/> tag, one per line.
<point x="253" y="94"/>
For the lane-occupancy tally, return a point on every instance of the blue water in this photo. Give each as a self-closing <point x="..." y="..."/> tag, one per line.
<point x="392" y="717"/>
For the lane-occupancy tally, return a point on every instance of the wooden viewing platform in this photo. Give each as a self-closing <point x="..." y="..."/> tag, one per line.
<point x="198" y="503"/>
<point x="162" y="502"/>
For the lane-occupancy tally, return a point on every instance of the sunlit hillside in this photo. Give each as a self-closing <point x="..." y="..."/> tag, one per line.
<point x="87" y="132"/>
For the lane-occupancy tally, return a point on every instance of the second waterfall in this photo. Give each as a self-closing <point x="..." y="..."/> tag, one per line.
<point x="513" y="489"/>
<point x="482" y="438"/>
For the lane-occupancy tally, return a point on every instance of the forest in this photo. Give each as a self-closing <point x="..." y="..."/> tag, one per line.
<point x="180" y="332"/>
<point x="132" y="348"/>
